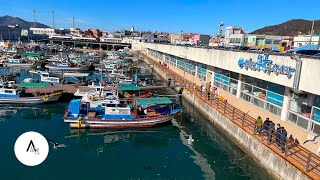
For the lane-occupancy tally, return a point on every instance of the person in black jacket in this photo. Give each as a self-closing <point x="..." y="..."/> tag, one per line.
<point x="278" y="134"/>
<point x="266" y="124"/>
<point x="283" y="139"/>
<point x="271" y="130"/>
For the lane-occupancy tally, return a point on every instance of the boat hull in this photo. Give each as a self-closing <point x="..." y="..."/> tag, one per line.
<point x="29" y="100"/>
<point x="118" y="124"/>
<point x="18" y="65"/>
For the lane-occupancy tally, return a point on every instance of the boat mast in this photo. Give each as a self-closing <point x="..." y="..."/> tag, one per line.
<point x="311" y="35"/>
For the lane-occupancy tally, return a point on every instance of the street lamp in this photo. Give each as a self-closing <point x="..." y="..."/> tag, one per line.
<point x="219" y="33"/>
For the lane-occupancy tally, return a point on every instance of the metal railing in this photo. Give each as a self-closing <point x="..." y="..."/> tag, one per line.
<point x="300" y="157"/>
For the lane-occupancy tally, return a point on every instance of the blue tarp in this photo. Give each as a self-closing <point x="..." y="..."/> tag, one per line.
<point x="273" y="48"/>
<point x="306" y="47"/>
<point x="74" y="106"/>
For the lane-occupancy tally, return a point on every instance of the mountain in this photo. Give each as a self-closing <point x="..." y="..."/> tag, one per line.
<point x="290" y="28"/>
<point x="9" y="20"/>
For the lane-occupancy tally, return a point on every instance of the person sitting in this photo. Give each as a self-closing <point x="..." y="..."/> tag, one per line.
<point x="266" y="124"/>
<point x="258" y="125"/>
<point x="271" y="130"/>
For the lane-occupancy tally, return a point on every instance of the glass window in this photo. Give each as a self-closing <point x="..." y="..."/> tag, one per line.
<point x="276" y="42"/>
<point x="246" y="88"/>
<point x="268" y="41"/>
<point x="315" y="128"/>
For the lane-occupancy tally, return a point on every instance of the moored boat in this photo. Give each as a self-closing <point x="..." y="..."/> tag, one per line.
<point x="146" y="112"/>
<point x="10" y="95"/>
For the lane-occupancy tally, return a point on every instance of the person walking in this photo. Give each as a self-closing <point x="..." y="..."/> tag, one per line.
<point x="258" y="125"/>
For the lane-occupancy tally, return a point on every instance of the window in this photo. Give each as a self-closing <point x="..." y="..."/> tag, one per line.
<point x="268" y="41"/>
<point x="277" y="42"/>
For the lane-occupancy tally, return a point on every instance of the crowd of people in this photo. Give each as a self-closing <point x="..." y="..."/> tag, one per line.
<point x="277" y="135"/>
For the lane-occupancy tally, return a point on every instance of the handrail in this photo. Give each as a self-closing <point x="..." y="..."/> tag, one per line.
<point x="300" y="157"/>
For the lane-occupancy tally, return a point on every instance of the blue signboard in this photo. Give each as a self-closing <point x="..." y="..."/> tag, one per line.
<point x="265" y="64"/>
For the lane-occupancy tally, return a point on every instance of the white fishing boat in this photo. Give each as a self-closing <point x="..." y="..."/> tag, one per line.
<point x="17" y="63"/>
<point x="9" y="95"/>
<point x="65" y="66"/>
<point x="45" y="77"/>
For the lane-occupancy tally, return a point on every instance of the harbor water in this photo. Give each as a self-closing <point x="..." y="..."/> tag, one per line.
<point x="155" y="153"/>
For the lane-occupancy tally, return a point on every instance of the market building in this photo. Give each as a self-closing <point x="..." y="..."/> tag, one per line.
<point x="282" y="87"/>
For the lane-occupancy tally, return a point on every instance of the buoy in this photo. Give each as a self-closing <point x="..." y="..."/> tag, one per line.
<point x="79" y="123"/>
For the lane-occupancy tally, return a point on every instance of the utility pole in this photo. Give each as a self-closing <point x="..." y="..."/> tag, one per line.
<point x="73" y="21"/>
<point x="219" y="33"/>
<point x="52" y="19"/>
<point x="34" y="18"/>
<point x="311" y="35"/>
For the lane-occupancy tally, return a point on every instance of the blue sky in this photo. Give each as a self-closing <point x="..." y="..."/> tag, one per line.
<point x="198" y="16"/>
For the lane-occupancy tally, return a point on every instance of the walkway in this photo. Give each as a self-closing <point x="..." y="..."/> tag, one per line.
<point x="300" y="157"/>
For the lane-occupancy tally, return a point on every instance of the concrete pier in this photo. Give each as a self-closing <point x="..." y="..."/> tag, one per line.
<point x="296" y="163"/>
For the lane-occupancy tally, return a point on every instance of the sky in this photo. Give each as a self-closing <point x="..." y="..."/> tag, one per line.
<point x="197" y="16"/>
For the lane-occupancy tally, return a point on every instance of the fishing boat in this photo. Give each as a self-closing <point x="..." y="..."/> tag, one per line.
<point x="10" y="95"/>
<point x="45" y="77"/>
<point x="145" y="112"/>
<point x="17" y="63"/>
<point x="66" y="66"/>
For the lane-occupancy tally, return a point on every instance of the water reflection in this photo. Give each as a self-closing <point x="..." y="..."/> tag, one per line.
<point x="229" y="156"/>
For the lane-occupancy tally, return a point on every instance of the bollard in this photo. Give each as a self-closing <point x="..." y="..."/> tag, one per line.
<point x="225" y="105"/>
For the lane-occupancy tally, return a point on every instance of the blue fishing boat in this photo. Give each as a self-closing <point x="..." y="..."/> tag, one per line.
<point x="143" y="112"/>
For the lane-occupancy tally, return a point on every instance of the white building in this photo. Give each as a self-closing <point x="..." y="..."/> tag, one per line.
<point x="42" y="31"/>
<point x="111" y="39"/>
<point x="235" y="36"/>
<point x="301" y="40"/>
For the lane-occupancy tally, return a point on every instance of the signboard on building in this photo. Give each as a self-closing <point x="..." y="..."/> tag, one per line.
<point x="265" y="65"/>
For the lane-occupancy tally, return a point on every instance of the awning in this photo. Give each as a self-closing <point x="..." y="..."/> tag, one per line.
<point x="26" y="84"/>
<point x="144" y="102"/>
<point x="306" y="47"/>
<point x="128" y="87"/>
<point x="31" y="54"/>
